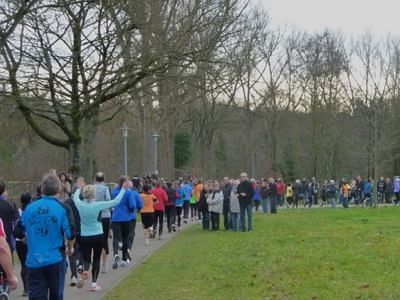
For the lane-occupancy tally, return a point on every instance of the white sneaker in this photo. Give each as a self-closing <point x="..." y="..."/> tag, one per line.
<point x="147" y="242"/>
<point x="125" y="263"/>
<point x="74" y="281"/>
<point x="179" y="228"/>
<point x="104" y="268"/>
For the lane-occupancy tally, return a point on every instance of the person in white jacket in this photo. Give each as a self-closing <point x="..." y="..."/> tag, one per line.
<point x="235" y="208"/>
<point x="215" y="204"/>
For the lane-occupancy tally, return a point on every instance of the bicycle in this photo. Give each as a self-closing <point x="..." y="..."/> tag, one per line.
<point x="4" y="288"/>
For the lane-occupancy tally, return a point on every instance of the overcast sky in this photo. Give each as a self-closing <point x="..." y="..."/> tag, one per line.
<point x="352" y="17"/>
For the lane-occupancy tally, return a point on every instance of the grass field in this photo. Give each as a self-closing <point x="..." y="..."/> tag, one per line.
<point x="304" y="254"/>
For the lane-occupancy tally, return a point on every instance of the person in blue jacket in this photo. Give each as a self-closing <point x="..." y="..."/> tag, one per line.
<point x="47" y="223"/>
<point x="124" y="222"/>
<point x="186" y="193"/>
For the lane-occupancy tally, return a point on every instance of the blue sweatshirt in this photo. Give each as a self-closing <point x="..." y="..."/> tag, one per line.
<point x="126" y="210"/>
<point x="89" y="213"/>
<point x="186" y="192"/>
<point x="47" y="221"/>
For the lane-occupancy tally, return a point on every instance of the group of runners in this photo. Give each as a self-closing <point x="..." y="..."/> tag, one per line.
<point x="74" y="221"/>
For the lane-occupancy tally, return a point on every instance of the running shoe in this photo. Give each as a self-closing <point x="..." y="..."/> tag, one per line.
<point x="160" y="237"/>
<point x="84" y="276"/>
<point x="73" y="281"/>
<point x="147" y="242"/>
<point x="125" y="263"/>
<point x="25" y="293"/>
<point x="95" y="287"/>
<point x="116" y="261"/>
<point x="79" y="269"/>
<point x="104" y="268"/>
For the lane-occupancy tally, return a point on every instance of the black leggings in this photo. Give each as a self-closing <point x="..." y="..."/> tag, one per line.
<point x="88" y="244"/>
<point x="170" y="212"/>
<point x="179" y="215"/>
<point x="214" y="220"/>
<point x="193" y="210"/>
<point x="22" y="251"/>
<point x="158" y="218"/>
<point x="121" y="233"/>
<point x="186" y="205"/>
<point x="106" y="232"/>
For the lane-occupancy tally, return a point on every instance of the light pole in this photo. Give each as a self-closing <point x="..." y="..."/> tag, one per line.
<point x="155" y="137"/>
<point x="125" y="137"/>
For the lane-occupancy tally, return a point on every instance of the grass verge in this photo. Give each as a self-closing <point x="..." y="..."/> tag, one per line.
<point x="297" y="254"/>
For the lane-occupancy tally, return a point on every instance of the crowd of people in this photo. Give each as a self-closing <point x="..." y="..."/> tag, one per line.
<point x="74" y="220"/>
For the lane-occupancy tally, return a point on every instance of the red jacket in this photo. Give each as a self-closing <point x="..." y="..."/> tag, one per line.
<point x="162" y="198"/>
<point x="280" y="188"/>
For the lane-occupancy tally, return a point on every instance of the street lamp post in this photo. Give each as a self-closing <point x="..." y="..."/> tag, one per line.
<point x="155" y="137"/>
<point x="125" y="137"/>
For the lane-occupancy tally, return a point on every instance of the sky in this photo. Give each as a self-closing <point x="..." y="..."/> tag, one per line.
<point x="352" y="17"/>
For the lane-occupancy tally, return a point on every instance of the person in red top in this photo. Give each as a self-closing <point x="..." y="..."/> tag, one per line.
<point x="6" y="265"/>
<point x="280" y="191"/>
<point x="159" y="208"/>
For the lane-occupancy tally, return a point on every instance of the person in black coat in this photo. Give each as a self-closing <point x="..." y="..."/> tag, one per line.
<point x="76" y="257"/>
<point x="226" y="190"/>
<point x="203" y="207"/>
<point x="245" y="193"/>
<point x="272" y="194"/>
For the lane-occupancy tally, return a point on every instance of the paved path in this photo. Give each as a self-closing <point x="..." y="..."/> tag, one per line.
<point x="112" y="277"/>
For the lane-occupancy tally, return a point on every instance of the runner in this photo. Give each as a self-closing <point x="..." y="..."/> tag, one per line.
<point x="103" y="194"/>
<point x="147" y="212"/>
<point x="9" y="279"/>
<point x="179" y="205"/>
<point x="186" y="193"/>
<point x="124" y="222"/>
<point x="48" y="222"/>
<point x="91" y="228"/>
<point x="170" y="207"/>
<point x="20" y="242"/>
<point x="159" y="208"/>
<point x="197" y="192"/>
<point x="226" y="189"/>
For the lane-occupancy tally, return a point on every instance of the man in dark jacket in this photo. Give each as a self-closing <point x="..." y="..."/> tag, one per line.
<point x="226" y="189"/>
<point x="245" y="194"/>
<point x="76" y="257"/>
<point x="9" y="214"/>
<point x="272" y="194"/>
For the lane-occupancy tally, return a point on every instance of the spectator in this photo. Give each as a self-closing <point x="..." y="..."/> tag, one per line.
<point x="388" y="190"/>
<point x="215" y="201"/>
<point x="203" y="207"/>
<point x="234" y="207"/>
<point x="272" y="194"/>
<point x="245" y="194"/>
<point x="331" y="193"/>
<point x="264" y="196"/>
<point x="345" y="192"/>
<point x="380" y="189"/>
<point x="226" y="189"/>
<point x="280" y="192"/>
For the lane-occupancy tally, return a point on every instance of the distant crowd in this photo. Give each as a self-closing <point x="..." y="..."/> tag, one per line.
<point x="74" y="220"/>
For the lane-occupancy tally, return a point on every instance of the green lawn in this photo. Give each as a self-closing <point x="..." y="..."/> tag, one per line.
<point x="304" y="254"/>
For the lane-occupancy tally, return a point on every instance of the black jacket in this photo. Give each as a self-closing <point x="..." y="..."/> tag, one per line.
<point x="247" y="188"/>
<point x="75" y="213"/>
<point x="226" y="190"/>
<point x="202" y="205"/>
<point x="9" y="215"/>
